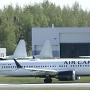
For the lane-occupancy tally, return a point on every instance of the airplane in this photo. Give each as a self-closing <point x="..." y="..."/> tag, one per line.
<point x="61" y="69"/>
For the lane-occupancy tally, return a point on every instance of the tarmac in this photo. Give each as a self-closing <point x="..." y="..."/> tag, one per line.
<point x="58" y="85"/>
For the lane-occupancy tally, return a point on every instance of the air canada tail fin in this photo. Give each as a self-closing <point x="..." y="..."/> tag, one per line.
<point x="20" y="51"/>
<point x="46" y="51"/>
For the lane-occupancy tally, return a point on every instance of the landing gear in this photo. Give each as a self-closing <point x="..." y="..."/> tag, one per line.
<point x="77" y="77"/>
<point x="47" y="80"/>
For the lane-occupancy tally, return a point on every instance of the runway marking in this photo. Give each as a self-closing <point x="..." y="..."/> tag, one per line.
<point x="65" y="85"/>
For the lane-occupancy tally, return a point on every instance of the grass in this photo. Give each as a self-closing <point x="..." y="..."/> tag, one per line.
<point x="30" y="80"/>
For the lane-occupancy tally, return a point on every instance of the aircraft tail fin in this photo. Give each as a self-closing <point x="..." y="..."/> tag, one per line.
<point x="46" y="51"/>
<point x="20" y="51"/>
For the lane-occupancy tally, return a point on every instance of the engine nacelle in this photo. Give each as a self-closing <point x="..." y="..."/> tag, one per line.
<point x="66" y="75"/>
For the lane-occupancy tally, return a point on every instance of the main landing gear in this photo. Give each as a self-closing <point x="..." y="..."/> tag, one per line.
<point x="47" y="80"/>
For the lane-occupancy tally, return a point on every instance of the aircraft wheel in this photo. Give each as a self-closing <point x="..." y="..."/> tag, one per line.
<point x="47" y="80"/>
<point x="77" y="77"/>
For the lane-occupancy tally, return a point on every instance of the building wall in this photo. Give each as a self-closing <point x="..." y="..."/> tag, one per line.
<point x="57" y="36"/>
<point x="74" y="37"/>
<point x="2" y="52"/>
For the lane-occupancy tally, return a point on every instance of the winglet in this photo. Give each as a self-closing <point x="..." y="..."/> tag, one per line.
<point x="17" y="64"/>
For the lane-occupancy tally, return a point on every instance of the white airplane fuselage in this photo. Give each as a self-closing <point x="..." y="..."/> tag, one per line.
<point x="80" y="66"/>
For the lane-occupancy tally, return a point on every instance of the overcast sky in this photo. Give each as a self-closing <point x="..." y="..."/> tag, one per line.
<point x="84" y="3"/>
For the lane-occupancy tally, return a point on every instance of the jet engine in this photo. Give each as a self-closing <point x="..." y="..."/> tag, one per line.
<point x="66" y="75"/>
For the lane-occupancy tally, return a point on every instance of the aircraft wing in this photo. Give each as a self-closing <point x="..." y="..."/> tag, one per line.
<point x="42" y="70"/>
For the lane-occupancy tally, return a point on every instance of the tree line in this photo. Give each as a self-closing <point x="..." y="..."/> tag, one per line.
<point x="16" y="23"/>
